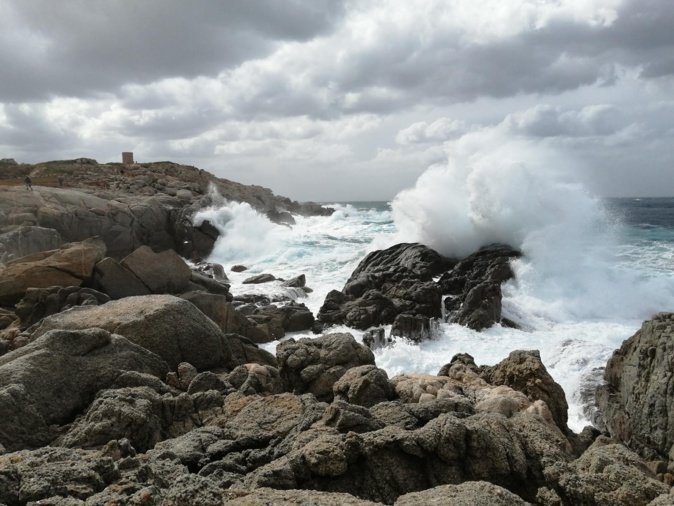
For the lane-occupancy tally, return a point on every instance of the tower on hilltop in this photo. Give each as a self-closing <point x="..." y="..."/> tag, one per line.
<point x="127" y="158"/>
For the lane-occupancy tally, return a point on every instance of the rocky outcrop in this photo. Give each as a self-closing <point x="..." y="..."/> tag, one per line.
<point x="473" y="286"/>
<point x="291" y="317"/>
<point x="636" y="402"/>
<point x="171" y="327"/>
<point x="314" y="365"/>
<point x="236" y="435"/>
<point x="70" y="265"/>
<point x="49" y="381"/>
<point x="387" y="283"/>
<point x="127" y="206"/>
<point x="398" y="284"/>
<point x="524" y="371"/>
<point x="163" y="272"/>
<point x="365" y="385"/>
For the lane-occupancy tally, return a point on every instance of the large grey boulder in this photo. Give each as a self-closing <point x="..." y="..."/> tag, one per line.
<point x="314" y="365"/>
<point x="55" y="377"/>
<point x="171" y="327"/>
<point x="163" y="272"/>
<point x="636" y="401"/>
<point x="123" y="222"/>
<point x="116" y="281"/>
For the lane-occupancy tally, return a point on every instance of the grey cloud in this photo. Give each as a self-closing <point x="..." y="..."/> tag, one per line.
<point x="87" y="47"/>
<point x="547" y="121"/>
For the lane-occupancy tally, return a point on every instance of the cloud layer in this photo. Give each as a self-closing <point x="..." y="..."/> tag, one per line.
<point x="330" y="100"/>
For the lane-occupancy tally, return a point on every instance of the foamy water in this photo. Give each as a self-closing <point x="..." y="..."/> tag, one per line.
<point x="586" y="281"/>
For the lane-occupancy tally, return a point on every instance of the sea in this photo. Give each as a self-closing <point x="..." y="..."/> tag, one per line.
<point x="593" y="269"/>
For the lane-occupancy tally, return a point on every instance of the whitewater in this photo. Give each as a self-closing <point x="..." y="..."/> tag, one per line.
<point x="593" y="269"/>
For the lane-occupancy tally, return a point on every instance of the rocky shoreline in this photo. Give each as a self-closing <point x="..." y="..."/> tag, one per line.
<point x="128" y="376"/>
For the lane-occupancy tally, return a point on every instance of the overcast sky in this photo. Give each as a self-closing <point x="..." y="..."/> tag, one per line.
<point x="341" y="100"/>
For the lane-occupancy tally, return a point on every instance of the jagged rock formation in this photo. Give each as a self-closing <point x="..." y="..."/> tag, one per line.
<point x="396" y="286"/>
<point x="636" y="400"/>
<point x="129" y="427"/>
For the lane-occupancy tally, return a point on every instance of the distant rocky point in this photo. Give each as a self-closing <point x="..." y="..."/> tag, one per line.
<point x="126" y="205"/>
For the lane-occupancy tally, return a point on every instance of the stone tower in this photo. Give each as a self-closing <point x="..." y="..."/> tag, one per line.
<point x="127" y="158"/>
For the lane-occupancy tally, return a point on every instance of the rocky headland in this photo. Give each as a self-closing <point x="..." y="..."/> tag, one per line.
<point x="128" y="376"/>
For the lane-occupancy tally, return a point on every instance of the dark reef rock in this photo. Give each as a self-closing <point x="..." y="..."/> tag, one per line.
<point x="474" y="286"/>
<point x="387" y="283"/>
<point x="400" y="281"/>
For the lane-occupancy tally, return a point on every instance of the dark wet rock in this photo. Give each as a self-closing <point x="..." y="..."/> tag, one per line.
<point x="314" y="365"/>
<point x="474" y="286"/>
<point x="239" y="268"/>
<point x="387" y="283"/>
<point x="296" y="282"/>
<point x="39" y="303"/>
<point x="635" y="401"/>
<point x="414" y="328"/>
<point x="171" y="327"/>
<point x="193" y="241"/>
<point x="365" y="385"/>
<point x="259" y="279"/>
<point x="211" y="270"/>
<point x="280" y="217"/>
<point x="54" y="378"/>
<point x="376" y="338"/>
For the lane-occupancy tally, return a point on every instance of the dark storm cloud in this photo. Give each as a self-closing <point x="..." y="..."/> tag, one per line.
<point x="79" y="47"/>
